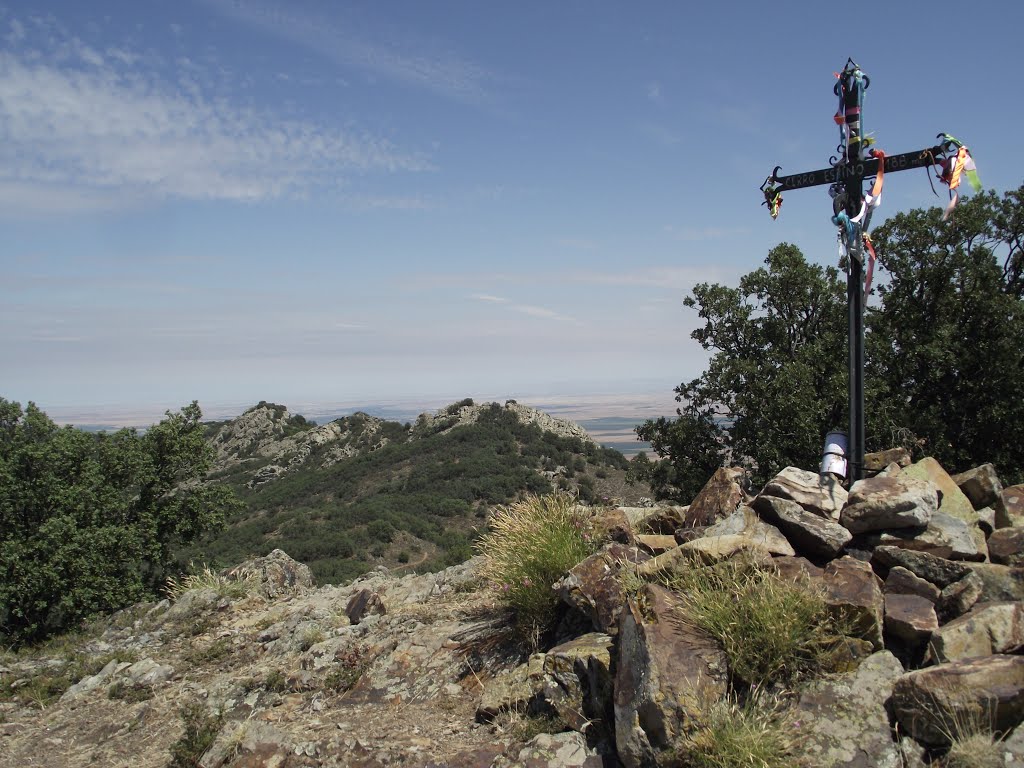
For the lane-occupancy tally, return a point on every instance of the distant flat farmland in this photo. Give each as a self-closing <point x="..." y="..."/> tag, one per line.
<point x="618" y="432"/>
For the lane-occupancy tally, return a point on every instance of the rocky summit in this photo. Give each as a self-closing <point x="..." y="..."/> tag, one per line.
<point x="257" y="666"/>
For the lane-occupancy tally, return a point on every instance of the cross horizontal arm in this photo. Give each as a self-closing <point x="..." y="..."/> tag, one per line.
<point x="841" y="171"/>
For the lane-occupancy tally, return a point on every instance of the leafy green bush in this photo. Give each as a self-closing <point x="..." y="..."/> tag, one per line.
<point x="530" y="545"/>
<point x="772" y="630"/>
<point x="88" y="521"/>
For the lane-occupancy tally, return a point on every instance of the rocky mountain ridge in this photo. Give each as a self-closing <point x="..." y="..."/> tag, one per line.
<point x="284" y="442"/>
<point x="258" y="667"/>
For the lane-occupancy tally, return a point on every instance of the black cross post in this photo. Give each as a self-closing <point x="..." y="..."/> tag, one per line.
<point x="852" y="165"/>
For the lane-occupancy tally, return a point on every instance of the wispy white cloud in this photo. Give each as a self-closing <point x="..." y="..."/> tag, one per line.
<point x="81" y="129"/>
<point x="654" y="92"/>
<point x="438" y="71"/>
<point x="531" y="310"/>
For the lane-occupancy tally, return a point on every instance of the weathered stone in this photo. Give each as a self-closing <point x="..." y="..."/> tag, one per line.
<point x="854" y="592"/>
<point x="745" y="522"/>
<point x="986" y="629"/>
<point x="820" y="494"/>
<point x="797" y="569"/>
<point x="362" y="604"/>
<point x="987" y="519"/>
<point x="999" y="582"/>
<point x="516" y="689"/>
<point x="667" y="677"/>
<point x="276" y="574"/>
<point x="980" y="485"/>
<point x="594" y="586"/>
<point x="944" y="536"/>
<point x="552" y="750"/>
<point x="90" y="683"/>
<point x="876" y="461"/>
<point x="1013" y="748"/>
<point x="843" y="720"/>
<point x="910" y="618"/>
<point x="656" y="543"/>
<point x="900" y="581"/>
<point x="929" y="702"/>
<point x="811" y="534"/>
<point x="148" y="673"/>
<point x="578" y="684"/>
<point x="953" y="501"/>
<point x="957" y="598"/>
<point x="937" y="570"/>
<point x="712" y="549"/>
<point x="881" y="503"/>
<point x="657" y="520"/>
<point x="613" y="525"/>
<point x="1006" y="546"/>
<point x="721" y="495"/>
<point x="1010" y="508"/>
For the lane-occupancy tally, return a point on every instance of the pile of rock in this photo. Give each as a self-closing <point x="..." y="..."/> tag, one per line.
<point x="925" y="566"/>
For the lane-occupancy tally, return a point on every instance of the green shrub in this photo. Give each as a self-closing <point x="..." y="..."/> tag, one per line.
<point x="531" y="544"/>
<point x="201" y="729"/>
<point x="771" y="629"/>
<point x="753" y="734"/>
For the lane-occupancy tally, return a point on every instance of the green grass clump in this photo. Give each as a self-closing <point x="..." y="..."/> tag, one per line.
<point x="977" y="750"/>
<point x="754" y="734"/>
<point x="531" y="544"/>
<point x="207" y="578"/>
<point x="771" y="630"/>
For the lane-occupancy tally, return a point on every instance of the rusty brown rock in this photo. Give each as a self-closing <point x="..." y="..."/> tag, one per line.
<point x="928" y="703"/>
<point x="594" y="586"/>
<point x="910" y="618"/>
<point x="668" y="676"/>
<point x="900" y="581"/>
<point x="854" y="593"/>
<point x="810" y="533"/>
<point x="876" y="461"/>
<point x="986" y="629"/>
<point x="719" y="498"/>
<point x="980" y="485"/>
<point x="1006" y="546"/>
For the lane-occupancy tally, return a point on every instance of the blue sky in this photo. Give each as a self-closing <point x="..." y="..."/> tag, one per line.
<point x="302" y="201"/>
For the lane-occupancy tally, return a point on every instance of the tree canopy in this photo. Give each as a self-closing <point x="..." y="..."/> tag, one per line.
<point x="944" y="361"/>
<point x="88" y="521"/>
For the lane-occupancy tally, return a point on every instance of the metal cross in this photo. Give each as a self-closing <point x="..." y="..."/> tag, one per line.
<point x="849" y="169"/>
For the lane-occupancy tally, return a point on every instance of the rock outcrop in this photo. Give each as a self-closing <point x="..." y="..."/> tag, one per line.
<point x="428" y="671"/>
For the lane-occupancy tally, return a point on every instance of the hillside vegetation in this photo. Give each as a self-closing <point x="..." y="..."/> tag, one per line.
<point x="361" y="491"/>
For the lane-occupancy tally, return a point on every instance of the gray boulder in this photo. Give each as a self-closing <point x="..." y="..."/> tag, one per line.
<point x="999" y="582"/>
<point x="809" y="533"/>
<point x="937" y="570"/>
<point x="883" y="503"/>
<point x="276" y="575"/>
<point x="821" y="494"/>
<point x="843" y="720"/>
<point x="578" y="684"/>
